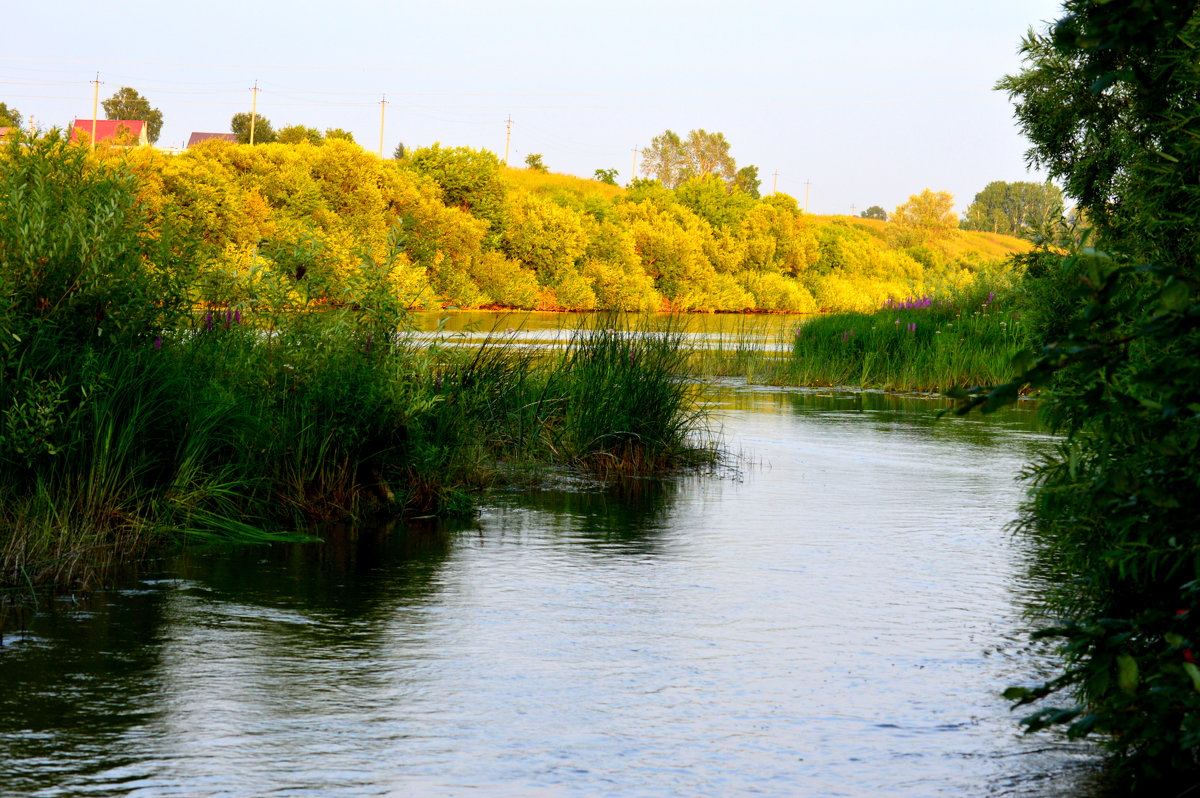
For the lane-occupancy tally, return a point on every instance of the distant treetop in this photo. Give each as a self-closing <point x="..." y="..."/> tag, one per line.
<point x="128" y="104"/>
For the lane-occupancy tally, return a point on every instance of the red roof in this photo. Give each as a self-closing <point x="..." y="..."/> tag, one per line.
<point x="107" y="128"/>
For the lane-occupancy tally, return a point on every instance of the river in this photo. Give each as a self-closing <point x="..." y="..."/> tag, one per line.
<point x="834" y="614"/>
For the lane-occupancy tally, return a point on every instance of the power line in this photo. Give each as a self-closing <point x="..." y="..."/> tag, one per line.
<point x="491" y="69"/>
<point x="590" y="95"/>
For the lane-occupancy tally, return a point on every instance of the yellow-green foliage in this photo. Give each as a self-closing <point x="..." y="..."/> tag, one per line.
<point x="301" y="223"/>
<point x="550" y="239"/>
<point x="557" y="186"/>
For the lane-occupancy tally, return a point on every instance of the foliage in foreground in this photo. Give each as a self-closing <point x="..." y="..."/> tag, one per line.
<point x="127" y="419"/>
<point x="1108" y="97"/>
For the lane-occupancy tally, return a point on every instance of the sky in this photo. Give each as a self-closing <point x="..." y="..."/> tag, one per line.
<point x="843" y="105"/>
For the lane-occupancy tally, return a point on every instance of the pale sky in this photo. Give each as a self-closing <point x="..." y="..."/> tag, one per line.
<point x="868" y="101"/>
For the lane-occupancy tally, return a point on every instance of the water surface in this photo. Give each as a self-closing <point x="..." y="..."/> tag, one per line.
<point x="835" y="617"/>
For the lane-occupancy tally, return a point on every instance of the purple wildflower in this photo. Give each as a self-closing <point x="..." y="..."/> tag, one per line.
<point x="237" y="316"/>
<point x="158" y="341"/>
<point x="208" y="321"/>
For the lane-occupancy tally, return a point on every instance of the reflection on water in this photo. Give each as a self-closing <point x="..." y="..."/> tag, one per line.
<point x="765" y="332"/>
<point x="838" y="618"/>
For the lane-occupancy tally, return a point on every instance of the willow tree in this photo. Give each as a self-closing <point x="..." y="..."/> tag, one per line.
<point x="673" y="160"/>
<point x="1016" y="209"/>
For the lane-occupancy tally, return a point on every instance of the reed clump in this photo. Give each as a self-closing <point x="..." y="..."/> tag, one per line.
<point x="627" y="406"/>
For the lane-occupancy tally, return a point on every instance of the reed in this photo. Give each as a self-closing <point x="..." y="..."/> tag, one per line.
<point x="626" y="403"/>
<point x="913" y="345"/>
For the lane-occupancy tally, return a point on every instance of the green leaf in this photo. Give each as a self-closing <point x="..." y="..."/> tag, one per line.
<point x="1191" y="670"/>
<point x="1127" y="674"/>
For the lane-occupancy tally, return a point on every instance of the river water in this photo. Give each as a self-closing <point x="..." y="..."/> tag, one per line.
<point x="836" y="615"/>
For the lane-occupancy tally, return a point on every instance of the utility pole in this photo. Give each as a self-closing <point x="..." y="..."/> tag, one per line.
<point x="253" y="110"/>
<point x="807" y="183"/>
<point x="507" y="137"/>
<point x="775" y="185"/>
<point x="853" y="208"/>
<point x="95" y="100"/>
<point x="633" y="172"/>
<point x="382" y="107"/>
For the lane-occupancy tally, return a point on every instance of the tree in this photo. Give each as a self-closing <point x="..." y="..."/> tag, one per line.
<point x="128" y="104"/>
<point x="534" y="161"/>
<point x="1107" y="98"/>
<point x="664" y="159"/>
<point x="338" y="133"/>
<point x="1016" y="209"/>
<point x="9" y="117"/>
<point x="746" y="181"/>
<point x="673" y="160"/>
<point x="294" y="134"/>
<point x="930" y="212"/>
<point x="875" y="212"/>
<point x="399" y="153"/>
<point x="263" y="132"/>
<point x="606" y="176"/>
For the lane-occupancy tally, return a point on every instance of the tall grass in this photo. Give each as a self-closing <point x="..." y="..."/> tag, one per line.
<point x="626" y="405"/>
<point x="912" y="345"/>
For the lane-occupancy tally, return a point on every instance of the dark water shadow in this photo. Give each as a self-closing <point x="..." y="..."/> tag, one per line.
<point x="627" y="517"/>
<point x="82" y="676"/>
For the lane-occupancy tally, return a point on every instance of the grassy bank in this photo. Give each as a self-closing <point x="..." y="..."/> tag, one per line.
<point x="129" y="420"/>
<point x="913" y="345"/>
<point x="923" y="345"/>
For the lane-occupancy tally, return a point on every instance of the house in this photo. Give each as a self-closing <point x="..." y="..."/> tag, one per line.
<point x="4" y="131"/>
<point x="127" y="132"/>
<point x="196" y="138"/>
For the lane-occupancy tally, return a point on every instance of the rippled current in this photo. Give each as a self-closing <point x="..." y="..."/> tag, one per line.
<point x="836" y="616"/>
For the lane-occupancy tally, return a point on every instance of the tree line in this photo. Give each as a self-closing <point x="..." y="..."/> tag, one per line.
<point x="457" y="227"/>
<point x="1022" y="209"/>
